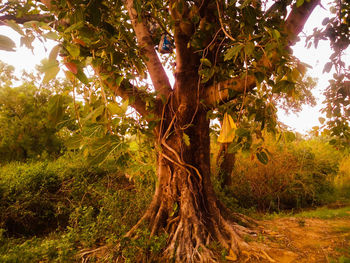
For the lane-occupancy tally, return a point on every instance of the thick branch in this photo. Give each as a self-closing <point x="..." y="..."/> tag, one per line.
<point x="155" y="68"/>
<point x="293" y="26"/>
<point x="183" y="31"/>
<point x="297" y="18"/>
<point x="27" y="18"/>
<point x="127" y="91"/>
<point x="219" y="92"/>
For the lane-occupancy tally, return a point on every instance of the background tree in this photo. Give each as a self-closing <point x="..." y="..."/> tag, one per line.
<point x="229" y="56"/>
<point x="337" y="94"/>
<point x="28" y="118"/>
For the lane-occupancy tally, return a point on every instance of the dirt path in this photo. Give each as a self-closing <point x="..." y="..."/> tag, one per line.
<point x="299" y="240"/>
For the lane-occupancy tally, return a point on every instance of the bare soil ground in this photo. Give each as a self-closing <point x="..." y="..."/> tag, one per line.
<point x="304" y="240"/>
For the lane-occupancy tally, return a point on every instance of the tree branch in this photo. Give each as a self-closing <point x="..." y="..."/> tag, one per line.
<point x="155" y="68"/>
<point x="219" y="92"/>
<point x="183" y="31"/>
<point x="293" y="26"/>
<point x="297" y="18"/>
<point x="27" y="18"/>
<point x="127" y="91"/>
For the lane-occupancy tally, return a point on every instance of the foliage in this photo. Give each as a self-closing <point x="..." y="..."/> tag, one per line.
<point x="337" y="94"/>
<point x="299" y="173"/>
<point x="27" y="119"/>
<point x="325" y="213"/>
<point x="342" y="180"/>
<point x="95" y="34"/>
<point x="65" y="206"/>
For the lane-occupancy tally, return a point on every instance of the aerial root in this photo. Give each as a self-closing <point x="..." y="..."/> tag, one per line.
<point x="157" y="219"/>
<point x="145" y="217"/>
<point x="244" y="220"/>
<point x="86" y="254"/>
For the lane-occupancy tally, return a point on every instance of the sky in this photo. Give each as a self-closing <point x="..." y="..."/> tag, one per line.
<point x="25" y="59"/>
<point x="308" y="117"/>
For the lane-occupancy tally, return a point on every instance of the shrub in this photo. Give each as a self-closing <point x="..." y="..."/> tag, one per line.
<point x="342" y="180"/>
<point x="26" y="129"/>
<point x="298" y="174"/>
<point x="51" y="211"/>
<point x="26" y="198"/>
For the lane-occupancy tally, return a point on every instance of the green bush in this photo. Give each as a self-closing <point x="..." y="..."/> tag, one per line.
<point x="298" y="174"/>
<point x="26" y="198"/>
<point x="54" y="211"/>
<point x="27" y="130"/>
<point x="342" y="180"/>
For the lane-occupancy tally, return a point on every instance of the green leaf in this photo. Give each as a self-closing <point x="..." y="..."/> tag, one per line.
<point x="233" y="52"/>
<point x="233" y="147"/>
<point x="186" y="139"/>
<point x="134" y="146"/>
<point x="276" y="34"/>
<point x="206" y="62"/>
<point x="300" y="3"/>
<point x="15" y="26"/>
<point x="95" y="113"/>
<point x="51" y="35"/>
<point x="119" y="80"/>
<point x="74" y="27"/>
<point x="115" y="109"/>
<point x="55" y="108"/>
<point x="50" y="67"/>
<point x="6" y="43"/>
<point x="125" y="105"/>
<point x="73" y="50"/>
<point x="82" y="77"/>
<point x="207" y="74"/>
<point x="242" y="132"/>
<point x="54" y="52"/>
<point x="249" y="48"/>
<point x="333" y="142"/>
<point x="262" y="157"/>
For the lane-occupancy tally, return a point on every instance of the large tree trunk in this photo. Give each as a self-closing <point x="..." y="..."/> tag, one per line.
<point x="184" y="204"/>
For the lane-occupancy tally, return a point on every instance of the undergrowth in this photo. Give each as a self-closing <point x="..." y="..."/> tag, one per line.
<point x="298" y="174"/>
<point x="326" y="213"/>
<point x="61" y="211"/>
<point x="71" y="211"/>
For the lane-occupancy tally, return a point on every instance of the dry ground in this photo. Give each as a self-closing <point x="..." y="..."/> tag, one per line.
<point x="304" y="240"/>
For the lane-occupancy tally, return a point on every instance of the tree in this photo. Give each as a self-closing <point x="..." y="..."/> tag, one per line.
<point x="27" y="118"/>
<point x="229" y="56"/>
<point x="337" y="94"/>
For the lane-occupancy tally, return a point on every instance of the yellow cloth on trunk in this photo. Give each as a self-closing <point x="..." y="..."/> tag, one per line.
<point x="227" y="133"/>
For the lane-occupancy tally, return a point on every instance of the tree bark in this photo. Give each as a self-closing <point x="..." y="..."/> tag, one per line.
<point x="225" y="161"/>
<point x="185" y="205"/>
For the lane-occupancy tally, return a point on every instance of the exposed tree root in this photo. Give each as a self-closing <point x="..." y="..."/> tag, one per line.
<point x="86" y="254"/>
<point x="192" y="232"/>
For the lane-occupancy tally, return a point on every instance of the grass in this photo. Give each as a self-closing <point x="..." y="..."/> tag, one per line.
<point x="320" y="213"/>
<point x="342" y="259"/>
<point x="326" y="213"/>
